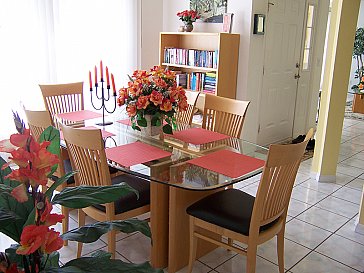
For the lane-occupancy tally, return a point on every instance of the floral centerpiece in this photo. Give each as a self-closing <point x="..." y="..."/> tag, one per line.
<point x="153" y="94"/>
<point x="188" y="17"/>
<point x="26" y="210"/>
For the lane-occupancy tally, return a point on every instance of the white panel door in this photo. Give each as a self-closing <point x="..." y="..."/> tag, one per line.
<point x="282" y="56"/>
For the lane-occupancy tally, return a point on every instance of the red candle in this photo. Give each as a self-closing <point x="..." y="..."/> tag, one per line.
<point x="113" y="84"/>
<point x="102" y="71"/>
<point x="95" y="75"/>
<point x="107" y="77"/>
<point x="90" y="79"/>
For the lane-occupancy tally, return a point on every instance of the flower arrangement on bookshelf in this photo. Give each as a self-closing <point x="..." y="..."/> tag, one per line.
<point x="188" y="17"/>
<point x="26" y="204"/>
<point x="153" y="95"/>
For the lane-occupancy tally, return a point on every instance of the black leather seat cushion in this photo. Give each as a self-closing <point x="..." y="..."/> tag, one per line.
<point x="231" y="209"/>
<point x="130" y="201"/>
<point x="68" y="168"/>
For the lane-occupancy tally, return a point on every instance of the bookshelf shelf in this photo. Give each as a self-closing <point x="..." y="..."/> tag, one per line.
<point x="225" y="48"/>
<point x="195" y="68"/>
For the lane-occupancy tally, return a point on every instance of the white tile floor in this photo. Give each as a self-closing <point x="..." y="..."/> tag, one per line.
<point x="319" y="235"/>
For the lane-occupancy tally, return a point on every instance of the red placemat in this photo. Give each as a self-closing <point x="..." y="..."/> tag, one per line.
<point x="104" y="133"/>
<point x="79" y="115"/>
<point x="135" y="153"/>
<point x="228" y="163"/>
<point x="125" y="122"/>
<point x="198" y="136"/>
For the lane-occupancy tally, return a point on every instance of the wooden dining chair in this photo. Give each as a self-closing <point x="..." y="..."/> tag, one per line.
<point x="87" y="153"/>
<point x="38" y="121"/>
<point x="186" y="117"/>
<point x="62" y="98"/>
<point x="224" y="115"/>
<point x="250" y="220"/>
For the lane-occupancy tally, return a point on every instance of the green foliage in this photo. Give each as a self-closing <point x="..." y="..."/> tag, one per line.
<point x="91" y="233"/>
<point x="85" y="196"/>
<point x="103" y="264"/>
<point x="10" y="206"/>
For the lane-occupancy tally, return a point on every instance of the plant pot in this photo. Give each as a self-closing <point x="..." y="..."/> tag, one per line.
<point x="358" y="103"/>
<point x="150" y="130"/>
<point x="188" y="27"/>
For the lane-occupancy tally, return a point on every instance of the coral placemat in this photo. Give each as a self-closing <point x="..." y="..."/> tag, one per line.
<point x="104" y="133"/>
<point x="228" y="163"/>
<point x="135" y="153"/>
<point x="79" y="115"/>
<point x="198" y="136"/>
<point x="125" y="121"/>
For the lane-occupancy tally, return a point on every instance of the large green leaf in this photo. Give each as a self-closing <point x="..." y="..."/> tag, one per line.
<point x="51" y="134"/>
<point x="85" y="196"/>
<point x="91" y="233"/>
<point x="63" y="179"/>
<point x="167" y="129"/>
<point x="51" y="260"/>
<point x="8" y="203"/>
<point x="103" y="264"/>
<point x="13" y="257"/>
<point x="6" y="217"/>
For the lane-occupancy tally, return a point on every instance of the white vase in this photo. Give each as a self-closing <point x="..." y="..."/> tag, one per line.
<point x="150" y="130"/>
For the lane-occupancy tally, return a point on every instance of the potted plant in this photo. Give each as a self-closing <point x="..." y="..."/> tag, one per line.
<point x="358" y="55"/>
<point x="153" y="97"/>
<point x="26" y="210"/>
<point x="188" y="17"/>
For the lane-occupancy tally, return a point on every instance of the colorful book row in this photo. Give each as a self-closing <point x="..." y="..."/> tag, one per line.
<point x="197" y="81"/>
<point x="191" y="57"/>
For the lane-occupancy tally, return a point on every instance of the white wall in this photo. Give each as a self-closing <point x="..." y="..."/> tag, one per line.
<point x="352" y="80"/>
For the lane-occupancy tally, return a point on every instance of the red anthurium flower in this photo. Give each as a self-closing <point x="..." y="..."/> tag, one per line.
<point x="20" y="140"/>
<point x="20" y="193"/>
<point x="6" y="146"/>
<point x="48" y="218"/>
<point x="31" y="239"/>
<point x="53" y="242"/>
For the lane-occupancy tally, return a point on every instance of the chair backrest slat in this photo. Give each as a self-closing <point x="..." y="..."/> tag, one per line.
<point x="276" y="184"/>
<point x="224" y="115"/>
<point x="62" y="98"/>
<point x="186" y="117"/>
<point x="87" y="153"/>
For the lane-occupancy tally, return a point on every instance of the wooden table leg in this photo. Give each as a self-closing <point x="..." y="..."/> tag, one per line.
<point x="159" y="224"/>
<point x="179" y="200"/>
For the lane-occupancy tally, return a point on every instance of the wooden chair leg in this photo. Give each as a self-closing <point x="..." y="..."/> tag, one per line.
<point x="111" y="241"/>
<point x="65" y="222"/>
<point x="251" y="258"/>
<point x="193" y="245"/>
<point x="280" y="250"/>
<point x="81" y="222"/>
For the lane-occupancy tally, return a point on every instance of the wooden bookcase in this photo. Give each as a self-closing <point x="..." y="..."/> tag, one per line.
<point x="226" y="46"/>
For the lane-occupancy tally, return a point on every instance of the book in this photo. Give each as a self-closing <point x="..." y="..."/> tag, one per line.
<point x="227" y="21"/>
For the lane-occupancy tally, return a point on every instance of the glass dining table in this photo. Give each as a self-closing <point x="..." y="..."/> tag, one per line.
<point x="182" y="168"/>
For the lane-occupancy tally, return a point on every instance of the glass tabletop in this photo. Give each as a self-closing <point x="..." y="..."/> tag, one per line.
<point x="177" y="169"/>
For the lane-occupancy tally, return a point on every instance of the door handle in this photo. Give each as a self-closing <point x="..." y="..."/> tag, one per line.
<point x="297" y="76"/>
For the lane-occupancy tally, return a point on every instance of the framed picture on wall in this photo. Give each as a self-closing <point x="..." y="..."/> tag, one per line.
<point x="211" y="11"/>
<point x="227" y="22"/>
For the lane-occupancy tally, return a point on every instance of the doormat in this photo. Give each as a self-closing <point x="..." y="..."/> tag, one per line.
<point x="308" y="153"/>
<point x="349" y="112"/>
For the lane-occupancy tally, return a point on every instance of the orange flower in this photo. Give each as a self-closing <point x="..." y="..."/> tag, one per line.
<point x="131" y="109"/>
<point x="48" y="218"/>
<point x="20" y="193"/>
<point x="20" y="140"/>
<point x="6" y="146"/>
<point x="39" y="237"/>
<point x="31" y="239"/>
<point x="166" y="105"/>
<point x="183" y="105"/>
<point x="53" y="242"/>
<point x="143" y="102"/>
<point x="361" y="86"/>
<point x="123" y="95"/>
<point x="156" y="97"/>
